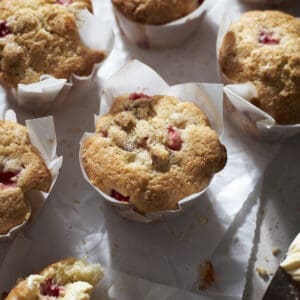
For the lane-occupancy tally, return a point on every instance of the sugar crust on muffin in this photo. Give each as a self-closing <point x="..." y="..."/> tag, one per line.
<point x="152" y="151"/>
<point x="68" y="279"/>
<point x="155" y="12"/>
<point x="40" y="37"/>
<point x="21" y="170"/>
<point x="263" y="47"/>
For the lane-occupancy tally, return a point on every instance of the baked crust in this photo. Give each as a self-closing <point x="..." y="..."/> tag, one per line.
<point x="62" y="273"/>
<point x="263" y="47"/>
<point x="155" y="12"/>
<point x="40" y="37"/>
<point x="152" y="152"/>
<point x="21" y="170"/>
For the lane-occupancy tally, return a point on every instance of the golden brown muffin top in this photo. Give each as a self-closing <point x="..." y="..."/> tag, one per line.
<point x="66" y="279"/>
<point x="41" y="37"/>
<point x="263" y="47"/>
<point x="21" y="170"/>
<point x="155" y="12"/>
<point x="152" y="151"/>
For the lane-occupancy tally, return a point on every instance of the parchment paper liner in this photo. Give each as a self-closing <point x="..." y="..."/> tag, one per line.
<point x="137" y="77"/>
<point x="161" y="36"/>
<point x="42" y="135"/>
<point x="249" y="118"/>
<point x="50" y="93"/>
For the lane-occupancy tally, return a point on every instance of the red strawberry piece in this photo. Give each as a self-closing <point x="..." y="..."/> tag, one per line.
<point x="64" y="2"/>
<point x="103" y="133"/>
<point x="143" y="143"/>
<point x="8" y="179"/>
<point x="136" y="96"/>
<point x="200" y="2"/>
<point x="50" y="288"/>
<point x="4" y="29"/>
<point x="174" y="141"/>
<point x="267" y="37"/>
<point x="119" y="196"/>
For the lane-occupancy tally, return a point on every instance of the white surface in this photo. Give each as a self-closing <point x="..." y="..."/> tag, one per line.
<point x="195" y="61"/>
<point x="75" y="222"/>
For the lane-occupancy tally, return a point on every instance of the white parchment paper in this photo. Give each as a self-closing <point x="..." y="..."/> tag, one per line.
<point x="161" y="36"/>
<point x="149" y="261"/>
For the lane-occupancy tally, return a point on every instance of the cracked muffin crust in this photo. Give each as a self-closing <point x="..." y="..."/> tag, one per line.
<point x="40" y="37"/>
<point x="68" y="279"/>
<point x="152" y="151"/>
<point x="21" y="170"/>
<point x="156" y="12"/>
<point x="263" y="47"/>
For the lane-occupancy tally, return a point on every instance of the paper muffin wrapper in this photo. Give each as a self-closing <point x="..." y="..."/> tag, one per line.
<point x="160" y="36"/>
<point x="50" y="93"/>
<point x="246" y="116"/>
<point x="42" y="135"/>
<point x="137" y="77"/>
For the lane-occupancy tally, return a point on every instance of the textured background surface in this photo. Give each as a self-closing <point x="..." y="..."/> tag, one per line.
<point x="279" y="218"/>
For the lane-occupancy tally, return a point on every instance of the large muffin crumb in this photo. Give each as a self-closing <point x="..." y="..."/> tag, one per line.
<point x="263" y="47"/>
<point x="155" y="12"/>
<point x="66" y="279"/>
<point x="41" y="37"/>
<point x="152" y="151"/>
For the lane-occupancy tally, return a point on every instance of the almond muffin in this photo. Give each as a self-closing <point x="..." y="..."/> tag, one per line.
<point x="152" y="151"/>
<point x="263" y="47"/>
<point x="40" y="37"/>
<point x="68" y="279"/>
<point x="21" y="170"/>
<point x="155" y="12"/>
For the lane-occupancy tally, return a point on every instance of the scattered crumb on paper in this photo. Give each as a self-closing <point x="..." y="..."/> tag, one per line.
<point x="51" y="141"/>
<point x="263" y="273"/>
<point x="114" y="248"/>
<point x="276" y="251"/>
<point x="202" y="220"/>
<point x="207" y="275"/>
<point x="235" y="239"/>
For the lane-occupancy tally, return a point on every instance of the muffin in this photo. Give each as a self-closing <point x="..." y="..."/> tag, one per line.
<point x="66" y="279"/>
<point x="263" y="47"/>
<point x="40" y="37"/>
<point x="155" y="12"/>
<point x="152" y="151"/>
<point x="21" y="170"/>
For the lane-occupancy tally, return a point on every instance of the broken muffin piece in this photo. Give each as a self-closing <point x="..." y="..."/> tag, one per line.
<point x="69" y="279"/>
